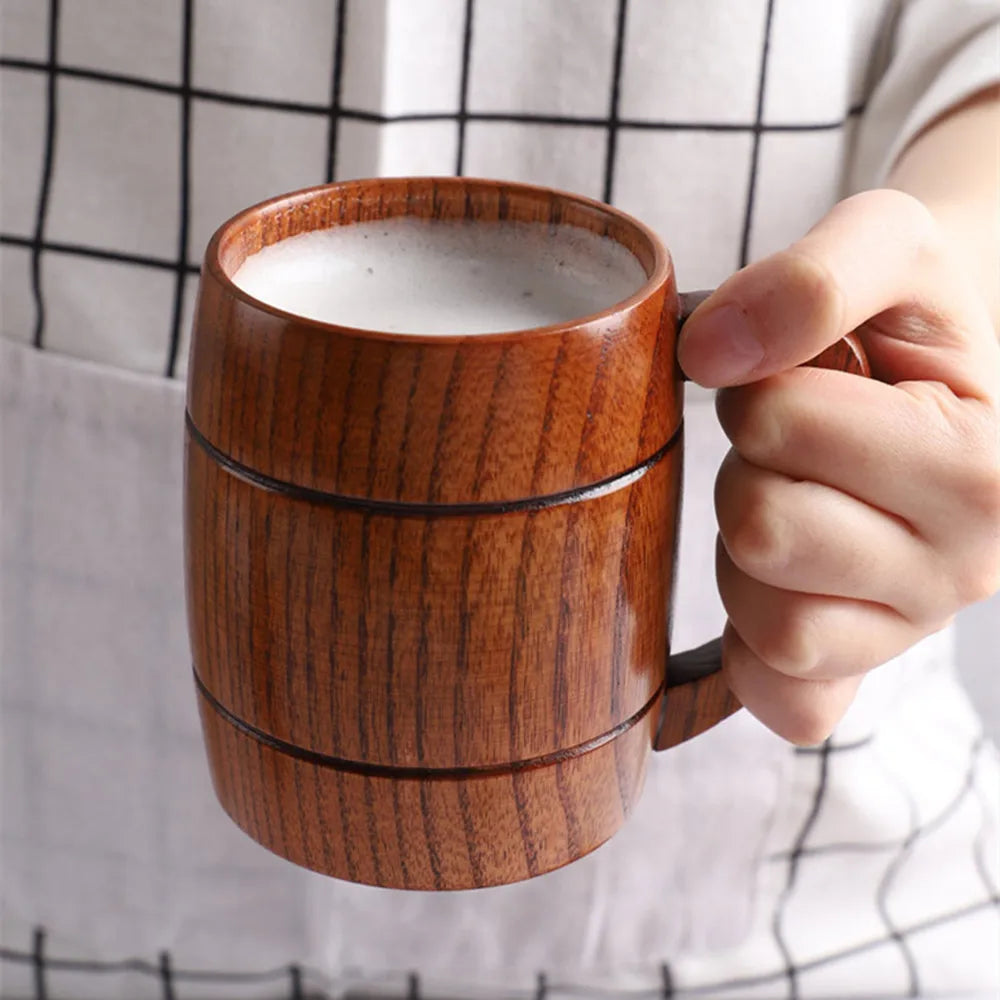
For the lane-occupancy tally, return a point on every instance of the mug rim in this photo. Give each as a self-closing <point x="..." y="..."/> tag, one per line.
<point x="661" y="271"/>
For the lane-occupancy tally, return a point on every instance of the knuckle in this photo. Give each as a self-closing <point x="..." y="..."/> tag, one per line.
<point x="979" y="495"/>
<point x="818" y="707"/>
<point x="909" y="207"/>
<point x="820" y="300"/>
<point x="984" y="498"/>
<point x="751" y="418"/>
<point x="982" y="488"/>
<point x="790" y="647"/>
<point x="930" y="608"/>
<point x="911" y="215"/>
<point x="980" y="579"/>
<point x="966" y="437"/>
<point x="811" y="722"/>
<point x="754" y="534"/>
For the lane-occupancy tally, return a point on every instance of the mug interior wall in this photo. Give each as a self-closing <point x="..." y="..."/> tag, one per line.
<point x="446" y="200"/>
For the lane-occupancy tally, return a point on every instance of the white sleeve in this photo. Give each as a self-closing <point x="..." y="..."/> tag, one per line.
<point x="942" y="52"/>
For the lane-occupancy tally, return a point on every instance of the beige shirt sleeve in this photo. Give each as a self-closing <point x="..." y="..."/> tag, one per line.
<point x="940" y="52"/>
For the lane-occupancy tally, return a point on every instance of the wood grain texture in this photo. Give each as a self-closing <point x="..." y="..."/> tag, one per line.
<point x="690" y="709"/>
<point x="436" y="641"/>
<point x="431" y="419"/>
<point x="425" y="556"/>
<point x="428" y="578"/>
<point x="846" y="355"/>
<point x="432" y="832"/>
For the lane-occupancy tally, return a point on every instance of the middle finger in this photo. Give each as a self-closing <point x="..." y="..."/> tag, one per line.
<point x="804" y="536"/>
<point x="903" y="452"/>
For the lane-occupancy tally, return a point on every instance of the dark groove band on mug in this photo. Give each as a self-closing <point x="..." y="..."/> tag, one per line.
<point x="411" y="772"/>
<point x="408" y="508"/>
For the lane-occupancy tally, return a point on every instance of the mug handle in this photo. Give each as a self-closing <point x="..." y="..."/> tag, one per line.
<point x="695" y="696"/>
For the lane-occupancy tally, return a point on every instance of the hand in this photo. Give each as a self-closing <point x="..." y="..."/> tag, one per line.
<point x="856" y="516"/>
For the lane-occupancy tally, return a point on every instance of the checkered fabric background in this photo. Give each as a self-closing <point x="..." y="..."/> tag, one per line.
<point x="119" y="162"/>
<point x="815" y="854"/>
<point x="195" y="118"/>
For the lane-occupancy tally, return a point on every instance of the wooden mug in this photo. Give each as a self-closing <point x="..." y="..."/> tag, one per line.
<point x="429" y="577"/>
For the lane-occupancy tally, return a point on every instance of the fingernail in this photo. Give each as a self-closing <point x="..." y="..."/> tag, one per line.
<point x="719" y="348"/>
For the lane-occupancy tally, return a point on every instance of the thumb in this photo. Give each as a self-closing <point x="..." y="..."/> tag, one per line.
<point x="772" y="315"/>
<point x="874" y="253"/>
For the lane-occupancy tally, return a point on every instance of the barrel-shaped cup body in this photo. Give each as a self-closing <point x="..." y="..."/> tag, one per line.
<point x="429" y="578"/>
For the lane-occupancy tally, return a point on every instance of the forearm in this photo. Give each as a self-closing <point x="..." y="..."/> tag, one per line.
<point x="953" y="167"/>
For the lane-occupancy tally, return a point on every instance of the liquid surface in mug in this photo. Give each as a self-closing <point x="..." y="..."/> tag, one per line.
<point x="424" y="277"/>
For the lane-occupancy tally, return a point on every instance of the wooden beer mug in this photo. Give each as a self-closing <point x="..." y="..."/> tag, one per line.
<point x="429" y="577"/>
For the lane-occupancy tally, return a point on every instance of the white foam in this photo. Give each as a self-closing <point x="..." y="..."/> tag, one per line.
<point x="429" y="277"/>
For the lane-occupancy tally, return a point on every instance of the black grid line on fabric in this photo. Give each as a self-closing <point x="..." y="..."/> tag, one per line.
<point x="757" y="130"/>
<point x="967" y="787"/>
<point x="613" y="101"/>
<point x="667" y="978"/>
<point x="184" y="195"/>
<point x="829" y="747"/>
<point x="48" y="163"/>
<point x="376" y="118"/>
<point x="146" y="967"/>
<point x="295" y="983"/>
<point x="979" y="848"/>
<point x="791" y="973"/>
<point x="166" y="976"/>
<point x="918" y="831"/>
<point x="98" y="253"/>
<point x="336" y="83"/>
<point x="463" y="86"/>
<point x="141" y="966"/>
<point x="885" y="884"/>
<point x="38" y="963"/>
<point x="820" y="962"/>
<point x="541" y="987"/>
<point x="334" y="112"/>
<point x="841" y="847"/>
